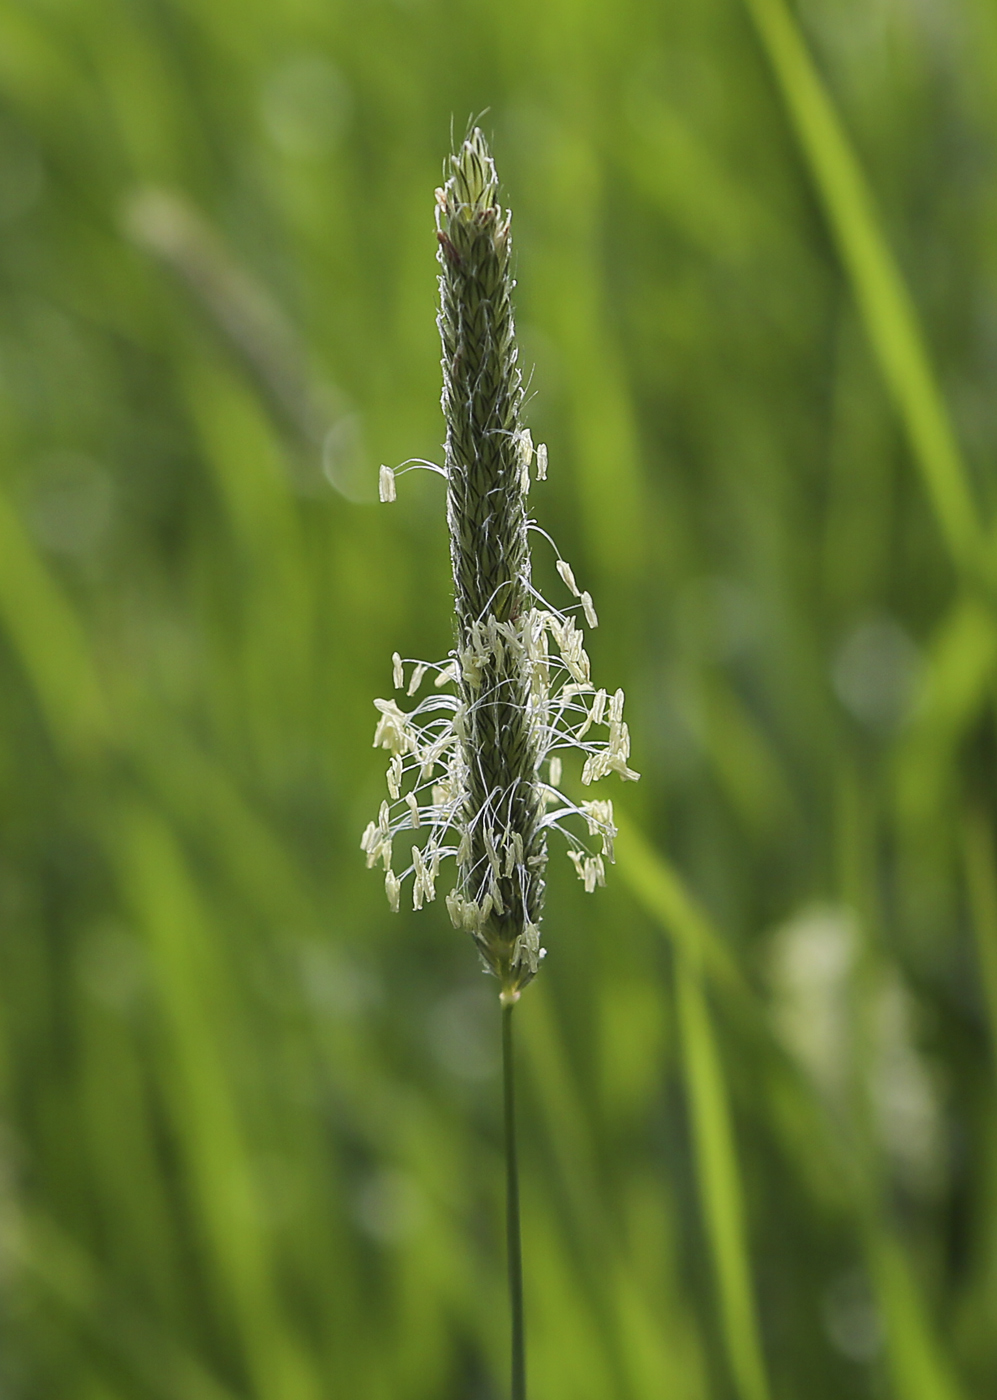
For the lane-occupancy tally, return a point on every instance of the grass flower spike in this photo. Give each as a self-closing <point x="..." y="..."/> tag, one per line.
<point x="476" y="765"/>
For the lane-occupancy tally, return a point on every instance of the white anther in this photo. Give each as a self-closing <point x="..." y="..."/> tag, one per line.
<point x="417" y="676"/>
<point x="564" y="569"/>
<point x="392" y="728"/>
<point x="448" y="674"/>
<point x="599" y="815"/>
<point x="370" y="842"/>
<point x="386" y="484"/>
<point x="424" y="880"/>
<point x="395" y="776"/>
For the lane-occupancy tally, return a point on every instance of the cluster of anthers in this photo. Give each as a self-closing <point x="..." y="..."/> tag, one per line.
<point x="427" y="774"/>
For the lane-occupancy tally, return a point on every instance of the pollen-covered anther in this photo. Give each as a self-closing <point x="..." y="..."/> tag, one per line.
<point x="568" y="578"/>
<point x="541" y="461"/>
<point x="588" y="608"/>
<point x="394" y="776"/>
<point x="425" y="877"/>
<point x="554" y="770"/>
<point x="370" y="843"/>
<point x="417" y="676"/>
<point x="464" y="913"/>
<point x="570" y="641"/>
<point x="392" y="730"/>
<point x="412" y="803"/>
<point x="475" y="657"/>
<point x="599" y="815"/>
<point x="392" y="888"/>
<point x="590" y="869"/>
<point x="397" y="671"/>
<point x="525" y="447"/>
<point x="386" y="484"/>
<point x="593" y="716"/>
<point x="432" y="756"/>
<point x="376" y="841"/>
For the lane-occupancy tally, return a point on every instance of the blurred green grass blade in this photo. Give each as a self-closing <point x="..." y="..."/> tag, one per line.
<point x="570" y="1133"/>
<point x="168" y="225"/>
<point x="719" y="1183"/>
<point x="981" y="880"/>
<point x="72" y="1280"/>
<point x="919" y="1370"/>
<point x="205" y="802"/>
<point x="648" y="1347"/>
<point x="196" y="1003"/>
<point x="697" y="949"/>
<point x="605" y="436"/>
<point x="956" y="685"/>
<point x="914" y="1356"/>
<point x="746" y="767"/>
<point x="51" y="645"/>
<point x="890" y="316"/>
<point x="659" y="890"/>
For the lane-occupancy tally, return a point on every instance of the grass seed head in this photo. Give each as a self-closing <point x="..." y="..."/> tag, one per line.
<point x="473" y="750"/>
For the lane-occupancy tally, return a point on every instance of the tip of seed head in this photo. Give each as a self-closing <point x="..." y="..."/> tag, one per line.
<point x="473" y="181"/>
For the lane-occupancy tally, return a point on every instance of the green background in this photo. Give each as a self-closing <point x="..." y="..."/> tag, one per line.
<point x="249" y="1120"/>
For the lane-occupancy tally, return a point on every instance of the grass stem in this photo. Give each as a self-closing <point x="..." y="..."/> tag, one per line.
<point x="513" y="1233"/>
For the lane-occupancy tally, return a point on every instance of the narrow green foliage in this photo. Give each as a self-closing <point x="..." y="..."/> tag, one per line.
<point x="719" y="1183"/>
<point x="889" y="313"/>
<point x="981" y="882"/>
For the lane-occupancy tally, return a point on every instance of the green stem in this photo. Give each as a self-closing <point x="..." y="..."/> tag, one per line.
<point x="513" y="1235"/>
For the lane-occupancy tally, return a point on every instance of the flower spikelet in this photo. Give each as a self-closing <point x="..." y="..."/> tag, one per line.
<point x="517" y="685"/>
